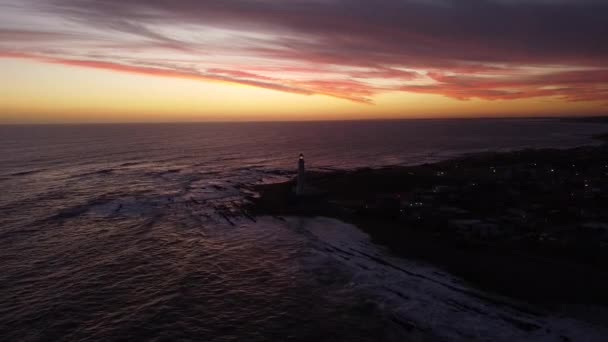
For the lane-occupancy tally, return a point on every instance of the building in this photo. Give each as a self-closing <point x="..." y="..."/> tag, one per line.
<point x="301" y="174"/>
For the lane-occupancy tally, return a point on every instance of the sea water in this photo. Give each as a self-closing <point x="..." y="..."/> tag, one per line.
<point x="119" y="232"/>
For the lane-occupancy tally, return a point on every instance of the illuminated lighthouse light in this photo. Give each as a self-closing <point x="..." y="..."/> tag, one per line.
<point x="301" y="172"/>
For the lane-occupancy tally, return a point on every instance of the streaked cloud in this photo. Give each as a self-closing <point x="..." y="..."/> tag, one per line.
<point x="355" y="49"/>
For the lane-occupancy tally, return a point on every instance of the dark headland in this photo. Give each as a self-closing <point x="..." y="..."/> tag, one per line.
<point x="530" y="224"/>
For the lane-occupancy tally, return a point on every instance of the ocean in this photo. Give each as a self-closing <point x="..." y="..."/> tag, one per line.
<point x="119" y="232"/>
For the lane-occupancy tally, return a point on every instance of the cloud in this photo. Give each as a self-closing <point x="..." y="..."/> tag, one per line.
<point x="587" y="85"/>
<point x="340" y="89"/>
<point x="238" y="73"/>
<point x="389" y="31"/>
<point x="13" y="35"/>
<point x="157" y="71"/>
<point x="352" y="49"/>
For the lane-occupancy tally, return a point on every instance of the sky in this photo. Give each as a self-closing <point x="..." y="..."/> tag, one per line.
<point x="233" y="60"/>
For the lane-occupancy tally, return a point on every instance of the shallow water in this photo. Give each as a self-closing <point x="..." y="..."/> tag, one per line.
<point x="133" y="232"/>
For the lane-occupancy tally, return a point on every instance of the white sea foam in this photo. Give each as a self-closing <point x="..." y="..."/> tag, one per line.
<point x="429" y="299"/>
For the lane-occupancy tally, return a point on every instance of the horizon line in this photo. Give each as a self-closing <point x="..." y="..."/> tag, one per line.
<point x="517" y="117"/>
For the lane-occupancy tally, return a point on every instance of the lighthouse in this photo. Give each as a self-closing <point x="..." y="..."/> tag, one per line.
<point x="301" y="172"/>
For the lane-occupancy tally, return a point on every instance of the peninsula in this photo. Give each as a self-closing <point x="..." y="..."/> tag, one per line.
<point x="530" y="224"/>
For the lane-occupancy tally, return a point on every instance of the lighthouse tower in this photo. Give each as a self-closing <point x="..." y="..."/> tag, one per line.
<point x="301" y="172"/>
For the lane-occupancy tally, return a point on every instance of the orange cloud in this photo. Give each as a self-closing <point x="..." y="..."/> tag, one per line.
<point x="586" y="85"/>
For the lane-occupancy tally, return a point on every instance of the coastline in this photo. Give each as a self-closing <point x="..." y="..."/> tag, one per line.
<point x="525" y="224"/>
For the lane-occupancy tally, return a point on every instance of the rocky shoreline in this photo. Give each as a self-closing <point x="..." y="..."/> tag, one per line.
<point x="530" y="224"/>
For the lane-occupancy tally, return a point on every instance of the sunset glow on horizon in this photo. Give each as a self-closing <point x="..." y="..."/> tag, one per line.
<point x="242" y="60"/>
